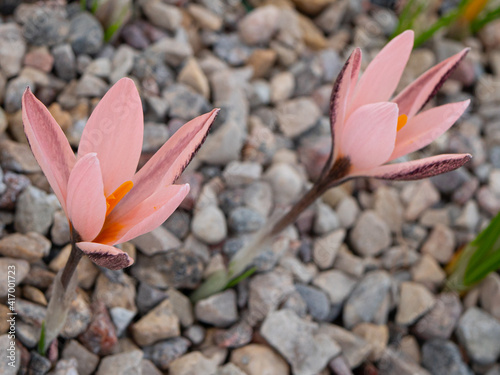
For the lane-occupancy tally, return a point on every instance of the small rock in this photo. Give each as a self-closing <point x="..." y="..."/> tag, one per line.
<point x="39" y="363"/>
<point x="354" y="348"/>
<point x="219" y="310"/>
<point x="127" y="363"/>
<point x="257" y="359"/>
<point x="317" y="302"/>
<point x="229" y="369"/>
<point x="258" y="26"/>
<point x="282" y="86"/>
<point x="490" y="294"/>
<point x="245" y="220"/>
<point x="12" y="360"/>
<point x="376" y="335"/>
<point x="295" y="116"/>
<point x="388" y="206"/>
<point x="164" y="352"/>
<point x="85" y="34"/>
<point x="441" y="320"/>
<point x="209" y="225"/>
<point x="326" y="220"/>
<point x="424" y="197"/>
<point x="479" y="333"/>
<point x="262" y="61"/>
<point x="66" y="367"/>
<point x="100" y="67"/>
<point x="303" y="273"/>
<point x="267" y="292"/>
<point x="116" y="293"/>
<point x="21" y="269"/>
<point x="306" y="347"/>
<point x="12" y="49"/>
<point x="192" y="75"/>
<point x="182" y="307"/>
<point x="86" y="361"/>
<point x="399" y="257"/>
<point x="239" y="173"/>
<point x="415" y="300"/>
<point x="100" y="337"/>
<point x="121" y="318"/>
<point x="159" y="240"/>
<point x="326" y="248"/>
<point x="178" y="269"/>
<point x="31" y="246"/>
<point x="336" y="284"/>
<point x="428" y="272"/>
<point x="45" y="26"/>
<point x="79" y="317"/>
<point x="347" y="211"/>
<point x="234" y="337"/>
<point x="17" y="157"/>
<point x="370" y="235"/>
<point x="395" y="362"/>
<point x="160" y="323"/>
<point x="205" y="17"/>
<point x="192" y="363"/>
<point x="195" y="334"/>
<point x="59" y="233"/>
<point x="64" y="61"/>
<point x="440" y="244"/>
<point x="122" y="63"/>
<point x="410" y="347"/>
<point x="369" y="301"/>
<point x="35" y="295"/>
<point x="443" y="357"/>
<point x="163" y="15"/>
<point x="14" y="92"/>
<point x="469" y="218"/>
<point x="91" y="86"/>
<point x="285" y="181"/>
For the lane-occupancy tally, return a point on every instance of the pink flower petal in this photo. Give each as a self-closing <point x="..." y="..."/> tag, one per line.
<point x="169" y="161"/>
<point x="418" y="93"/>
<point x="114" y="131"/>
<point x="49" y="145"/>
<point x="381" y="77"/>
<point x="124" y="224"/>
<point x="343" y="86"/>
<point x="418" y="169"/>
<point x="422" y="129"/>
<point x="105" y="256"/>
<point x="86" y="201"/>
<point x="369" y="135"/>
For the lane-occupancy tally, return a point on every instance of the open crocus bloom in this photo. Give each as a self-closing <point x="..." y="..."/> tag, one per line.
<point x="370" y="130"/>
<point x="106" y="202"/>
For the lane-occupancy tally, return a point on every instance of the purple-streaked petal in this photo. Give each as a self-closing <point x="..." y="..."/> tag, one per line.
<point x="49" y="145"/>
<point x="105" y="256"/>
<point x="424" y="88"/>
<point x="418" y="169"/>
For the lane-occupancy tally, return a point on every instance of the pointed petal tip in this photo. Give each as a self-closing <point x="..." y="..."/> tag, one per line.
<point x="106" y="256"/>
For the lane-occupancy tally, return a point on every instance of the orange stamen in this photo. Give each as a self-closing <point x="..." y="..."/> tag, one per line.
<point x="402" y="120"/>
<point x="117" y="195"/>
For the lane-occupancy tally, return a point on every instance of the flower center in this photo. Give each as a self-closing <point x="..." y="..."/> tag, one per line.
<point x="117" y="195"/>
<point x="402" y="120"/>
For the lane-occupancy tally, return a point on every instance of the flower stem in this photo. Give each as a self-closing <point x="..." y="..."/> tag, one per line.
<point x="70" y="267"/>
<point x="63" y="292"/>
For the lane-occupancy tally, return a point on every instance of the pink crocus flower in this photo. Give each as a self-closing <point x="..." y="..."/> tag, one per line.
<point x="370" y="129"/>
<point x="106" y="202"/>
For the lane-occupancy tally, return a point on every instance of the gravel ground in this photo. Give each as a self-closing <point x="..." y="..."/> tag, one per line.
<point x="354" y="287"/>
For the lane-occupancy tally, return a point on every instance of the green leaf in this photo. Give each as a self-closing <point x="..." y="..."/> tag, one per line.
<point x="446" y="20"/>
<point x="241" y="277"/>
<point x="478" y="24"/>
<point x="41" y="343"/>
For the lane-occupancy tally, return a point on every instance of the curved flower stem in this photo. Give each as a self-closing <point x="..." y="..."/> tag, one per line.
<point x="240" y="262"/>
<point x="63" y="291"/>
